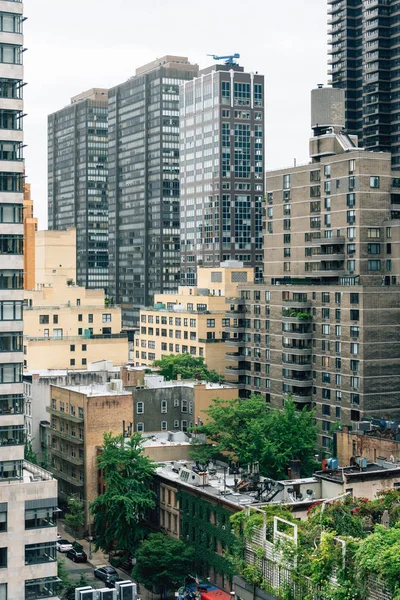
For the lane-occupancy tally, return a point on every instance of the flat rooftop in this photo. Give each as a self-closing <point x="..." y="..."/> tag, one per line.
<point x="166" y="439"/>
<point x="154" y="381"/>
<point x="381" y="469"/>
<point x="94" y="390"/>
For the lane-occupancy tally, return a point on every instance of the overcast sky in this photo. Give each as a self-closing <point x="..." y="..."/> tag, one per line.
<point x="74" y="45"/>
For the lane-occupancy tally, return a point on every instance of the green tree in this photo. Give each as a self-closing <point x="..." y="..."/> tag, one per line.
<point x="251" y="431"/>
<point x="119" y="512"/>
<point x="67" y="586"/>
<point x="379" y="555"/>
<point x="162" y="562"/>
<point x="75" y="517"/>
<point x="187" y="366"/>
<point x="29" y="453"/>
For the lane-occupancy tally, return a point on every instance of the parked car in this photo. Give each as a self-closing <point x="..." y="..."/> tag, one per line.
<point x="106" y="574"/>
<point x="76" y="555"/>
<point x="111" y="584"/>
<point x="63" y="545"/>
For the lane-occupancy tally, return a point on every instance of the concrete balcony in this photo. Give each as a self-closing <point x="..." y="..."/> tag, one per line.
<point x="297" y="351"/>
<point x="75" y="460"/>
<point x="327" y="256"/>
<point x="61" y="475"/>
<point x="235" y="343"/>
<point x="297" y="382"/>
<point x="297" y="366"/>
<point x="294" y="335"/>
<point x="235" y="371"/>
<point x="233" y="329"/>
<point x="63" y="415"/>
<point x="234" y="356"/>
<point x="295" y="319"/>
<point x="66" y="436"/>
<point x="302" y="398"/>
<point x="293" y="304"/>
<point x="337" y="240"/>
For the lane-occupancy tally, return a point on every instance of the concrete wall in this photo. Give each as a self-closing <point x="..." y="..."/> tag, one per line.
<point x="57" y="353"/>
<point x="55" y="255"/>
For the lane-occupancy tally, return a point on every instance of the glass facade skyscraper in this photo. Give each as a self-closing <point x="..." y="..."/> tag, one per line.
<point x="77" y="181"/>
<point x="222" y="170"/>
<point x="144" y="184"/>
<point x="365" y="61"/>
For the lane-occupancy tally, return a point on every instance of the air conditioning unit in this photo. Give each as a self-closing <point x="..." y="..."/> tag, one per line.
<point x="126" y="590"/>
<point x="107" y="594"/>
<point x="85" y="593"/>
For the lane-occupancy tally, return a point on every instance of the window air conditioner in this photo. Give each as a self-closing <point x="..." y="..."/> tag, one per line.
<point x="107" y="594"/>
<point x="85" y="593"/>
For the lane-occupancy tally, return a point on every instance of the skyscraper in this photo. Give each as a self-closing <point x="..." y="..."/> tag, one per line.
<point x="77" y="181"/>
<point x="144" y="183"/>
<point x="222" y="169"/>
<point x="28" y="494"/>
<point x="364" y="40"/>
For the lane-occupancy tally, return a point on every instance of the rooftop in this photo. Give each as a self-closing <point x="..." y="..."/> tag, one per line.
<point x="94" y="390"/>
<point x="365" y="470"/>
<point x="166" y="438"/>
<point x="158" y="381"/>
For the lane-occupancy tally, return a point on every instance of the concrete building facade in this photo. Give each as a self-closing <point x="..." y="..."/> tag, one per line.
<point x="222" y="169"/>
<point x="192" y="321"/>
<point x="55" y="257"/>
<point x="144" y="184"/>
<point x="28" y="494"/>
<point x="68" y="327"/>
<point x="160" y="405"/>
<point x="77" y="181"/>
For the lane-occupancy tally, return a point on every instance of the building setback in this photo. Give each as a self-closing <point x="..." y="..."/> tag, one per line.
<point x="144" y="184"/>
<point x="222" y="169"/>
<point x="364" y="39"/>
<point x="325" y="327"/>
<point x="28" y="494"/>
<point x="77" y="181"/>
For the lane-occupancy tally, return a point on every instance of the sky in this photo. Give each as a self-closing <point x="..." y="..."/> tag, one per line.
<point x="74" y="45"/>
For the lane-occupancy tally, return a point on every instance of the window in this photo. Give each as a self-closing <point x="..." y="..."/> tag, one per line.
<point x="140" y="427"/>
<point x="326" y="329"/>
<point x="176" y="424"/>
<point x="352" y="182"/>
<point x="351" y="217"/>
<point x="40" y="553"/>
<point x="286" y="266"/>
<point x="105" y="318"/>
<point x="351" y="233"/>
<point x="184" y="425"/>
<point x="354" y="314"/>
<point x="351" y="200"/>
<point x="338" y="412"/>
<point x="286" y="252"/>
<point x="354" y="348"/>
<point x="44" y="319"/>
<point x="351" y="266"/>
<point x="352" y="166"/>
<point x="286" y="182"/>
<point x="354" y="331"/>
<point x="355" y="365"/>
<point x="286" y="224"/>
<point x="140" y="408"/>
<point x="90" y="318"/>
<point x="164" y="406"/>
<point x="374" y="248"/>
<point x="45" y="587"/>
<point x="354" y="298"/>
<point x="325" y="296"/>
<point x="374" y="265"/>
<point x="184" y="406"/>
<point x="72" y="347"/>
<point x="57" y="333"/>
<point x="84" y="347"/>
<point x="327" y="170"/>
<point x="55" y="319"/>
<point x="286" y="238"/>
<point x="210" y="322"/>
<point x="164" y="425"/>
<point x="355" y="382"/>
<point x="72" y="362"/>
<point x="3" y="518"/>
<point x="326" y="410"/>
<point x="40" y="513"/>
<point x="373" y="232"/>
<point x="374" y="181"/>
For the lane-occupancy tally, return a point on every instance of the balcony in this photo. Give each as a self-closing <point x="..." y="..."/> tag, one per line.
<point x="61" y="475"/>
<point x="298" y="351"/>
<point x="235" y="329"/>
<point x="327" y="256"/>
<point x="234" y="356"/>
<point x="63" y="415"/>
<point x="302" y="398"/>
<point x="235" y="371"/>
<point x="298" y="366"/>
<point x="235" y="343"/>
<point x="66" y="436"/>
<point x="75" y="460"/>
<point x="293" y="316"/>
<point x="297" y="381"/>
<point x="293" y="304"/>
<point x="339" y="240"/>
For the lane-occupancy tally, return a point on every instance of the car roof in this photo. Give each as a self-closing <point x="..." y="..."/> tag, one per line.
<point x="63" y="541"/>
<point x="109" y="569"/>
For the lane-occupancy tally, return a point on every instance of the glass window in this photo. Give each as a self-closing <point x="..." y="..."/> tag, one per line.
<point x="37" y="518"/>
<point x="374" y="265"/>
<point x="374" y="181"/>
<point x="46" y="587"/>
<point x="140" y="408"/>
<point x="40" y="553"/>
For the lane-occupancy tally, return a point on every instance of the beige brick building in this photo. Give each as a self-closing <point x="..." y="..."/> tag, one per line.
<point x="325" y="327"/>
<point x="192" y="321"/>
<point x="79" y="416"/>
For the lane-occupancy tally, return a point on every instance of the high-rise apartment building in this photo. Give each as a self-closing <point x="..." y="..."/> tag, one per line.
<point x="28" y="494"/>
<point x="222" y="169"/>
<point x="144" y="183"/>
<point x="364" y="61"/>
<point x="325" y="327"/>
<point x="77" y="181"/>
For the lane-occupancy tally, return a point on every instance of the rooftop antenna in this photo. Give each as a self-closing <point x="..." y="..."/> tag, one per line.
<point x="229" y="59"/>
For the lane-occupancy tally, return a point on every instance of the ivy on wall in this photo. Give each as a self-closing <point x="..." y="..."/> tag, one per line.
<point x="207" y="527"/>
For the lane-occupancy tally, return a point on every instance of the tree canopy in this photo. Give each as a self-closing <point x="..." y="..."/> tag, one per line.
<point x="162" y="562"/>
<point x="187" y="366"/>
<point x="119" y="512"/>
<point x="251" y="431"/>
<point x="74" y="518"/>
